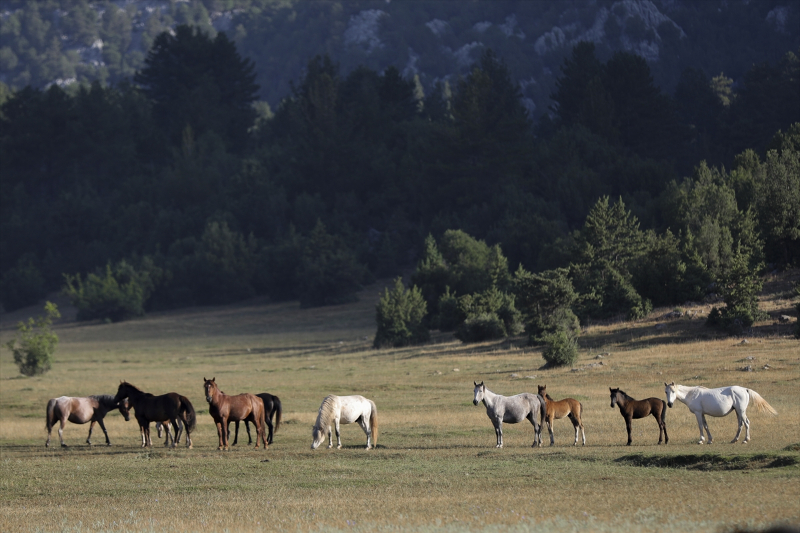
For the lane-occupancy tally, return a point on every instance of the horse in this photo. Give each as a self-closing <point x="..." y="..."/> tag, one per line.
<point x="169" y="407"/>
<point x="224" y="408"/>
<point x="631" y="409"/>
<point x="345" y="410"/>
<point x="559" y="409"/>
<point x="718" y="402"/>
<point x="272" y="407"/>
<point x="163" y="429"/>
<point x="511" y="409"/>
<point x="81" y="410"/>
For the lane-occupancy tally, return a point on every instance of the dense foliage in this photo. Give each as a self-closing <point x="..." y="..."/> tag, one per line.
<point x="399" y="316"/>
<point x="216" y="199"/>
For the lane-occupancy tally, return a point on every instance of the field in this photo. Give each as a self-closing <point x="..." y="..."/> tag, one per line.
<point x="436" y="467"/>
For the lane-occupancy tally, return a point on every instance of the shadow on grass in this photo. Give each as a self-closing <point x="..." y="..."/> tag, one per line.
<point x="710" y="461"/>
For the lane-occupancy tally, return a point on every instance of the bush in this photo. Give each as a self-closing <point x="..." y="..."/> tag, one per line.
<point x="119" y="295"/>
<point x="489" y="315"/>
<point x="450" y="313"/>
<point x="35" y="344"/>
<point x="400" y="315"/>
<point x="545" y="300"/>
<point x="739" y="286"/>
<point x="481" y="327"/>
<point x="561" y="348"/>
<point x="22" y="285"/>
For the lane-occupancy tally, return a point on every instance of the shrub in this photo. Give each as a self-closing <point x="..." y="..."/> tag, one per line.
<point x="545" y="300"/>
<point x="561" y="348"/>
<point x="739" y="286"/>
<point x="489" y="315"/>
<point x="450" y="313"/>
<point x="35" y="344"/>
<point x="481" y="327"/>
<point x="119" y="295"/>
<point x="399" y="315"/>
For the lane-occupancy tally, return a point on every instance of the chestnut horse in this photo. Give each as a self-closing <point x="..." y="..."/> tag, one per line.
<point x="169" y="407"/>
<point x="630" y="409"/>
<point x="559" y="409"/>
<point x="224" y="408"/>
<point x="81" y="410"/>
<point x="272" y="407"/>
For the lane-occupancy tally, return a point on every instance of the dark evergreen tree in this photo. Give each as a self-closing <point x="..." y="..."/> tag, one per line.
<point x="200" y="82"/>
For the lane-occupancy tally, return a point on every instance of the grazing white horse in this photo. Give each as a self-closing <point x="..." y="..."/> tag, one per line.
<point x="718" y="402"/>
<point x="345" y="410"/>
<point x="511" y="409"/>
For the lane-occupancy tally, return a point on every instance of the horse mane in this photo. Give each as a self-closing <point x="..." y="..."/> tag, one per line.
<point x="548" y="397"/>
<point x="106" y="400"/>
<point x="326" y="412"/>
<point x="134" y="387"/>
<point x="625" y="394"/>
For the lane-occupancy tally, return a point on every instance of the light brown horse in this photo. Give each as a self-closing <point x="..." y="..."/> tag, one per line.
<point x="168" y="408"/>
<point x="559" y="409"/>
<point x="224" y="408"/>
<point x="81" y="410"/>
<point x="630" y="409"/>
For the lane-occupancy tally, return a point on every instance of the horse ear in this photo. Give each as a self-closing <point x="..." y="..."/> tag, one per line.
<point x="214" y="379"/>
<point x="475" y="383"/>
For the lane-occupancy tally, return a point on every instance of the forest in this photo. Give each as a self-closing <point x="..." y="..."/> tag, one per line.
<point x="179" y="187"/>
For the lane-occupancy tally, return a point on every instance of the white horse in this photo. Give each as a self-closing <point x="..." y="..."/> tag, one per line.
<point x="717" y="402"/>
<point x="512" y="409"/>
<point x="345" y="410"/>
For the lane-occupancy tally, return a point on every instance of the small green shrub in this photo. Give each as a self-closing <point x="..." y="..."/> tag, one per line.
<point x="35" y="344"/>
<point x="561" y="348"/>
<point x="400" y="317"/>
<point x="490" y="314"/>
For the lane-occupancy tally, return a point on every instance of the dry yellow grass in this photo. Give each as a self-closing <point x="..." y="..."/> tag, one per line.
<point x="436" y="466"/>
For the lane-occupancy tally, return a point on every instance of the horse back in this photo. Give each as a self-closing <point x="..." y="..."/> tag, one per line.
<point x="643" y="408"/>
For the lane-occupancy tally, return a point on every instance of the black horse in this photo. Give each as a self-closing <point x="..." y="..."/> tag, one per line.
<point x="169" y="407"/>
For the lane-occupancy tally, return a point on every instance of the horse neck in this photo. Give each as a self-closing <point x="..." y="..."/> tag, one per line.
<point x="134" y="394"/>
<point x="489" y="398"/>
<point x="622" y="399"/>
<point x="326" y="412"/>
<point x="682" y="391"/>
<point x="105" y="401"/>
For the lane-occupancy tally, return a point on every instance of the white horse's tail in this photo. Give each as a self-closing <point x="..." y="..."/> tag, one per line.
<point x="373" y="423"/>
<point x="760" y="403"/>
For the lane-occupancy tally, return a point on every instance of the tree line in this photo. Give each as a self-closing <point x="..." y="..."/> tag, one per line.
<point x="178" y="188"/>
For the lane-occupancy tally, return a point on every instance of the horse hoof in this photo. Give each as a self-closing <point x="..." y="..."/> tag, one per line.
<point x="339" y="447"/>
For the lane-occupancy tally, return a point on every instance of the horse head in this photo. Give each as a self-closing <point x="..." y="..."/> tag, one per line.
<point x="480" y="390"/>
<point x="318" y="436"/>
<point x="614" y="398"/>
<point x="122" y="391"/>
<point x="671" y="391"/>
<point x="124" y="408"/>
<point x="210" y="385"/>
<point x="542" y="390"/>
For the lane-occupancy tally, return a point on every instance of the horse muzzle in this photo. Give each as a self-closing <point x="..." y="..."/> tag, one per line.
<point x="475" y="402"/>
<point x="208" y="399"/>
<point x="669" y="404"/>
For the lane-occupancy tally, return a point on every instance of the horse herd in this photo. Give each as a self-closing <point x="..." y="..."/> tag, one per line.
<point x="174" y="413"/>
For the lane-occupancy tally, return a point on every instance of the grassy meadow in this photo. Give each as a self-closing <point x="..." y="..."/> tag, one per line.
<point x="436" y="467"/>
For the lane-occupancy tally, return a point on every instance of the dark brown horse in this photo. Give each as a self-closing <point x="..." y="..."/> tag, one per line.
<point x="559" y="409"/>
<point x="224" y="408"/>
<point x="272" y="407"/>
<point x="630" y="409"/>
<point x="169" y="407"/>
<point x="81" y="410"/>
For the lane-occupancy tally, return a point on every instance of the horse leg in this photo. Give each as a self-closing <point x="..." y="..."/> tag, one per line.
<point x="61" y="432"/>
<point x="103" y="427"/>
<point x="663" y="425"/>
<point x="338" y="434"/>
<point x="89" y="438"/>
<point x="268" y="422"/>
<point x="364" y="423"/>
<point x="705" y="425"/>
<point x="247" y="428"/>
<point x="628" y="427"/>
<point x="498" y="431"/>
<point x="147" y="434"/>
<point x="550" y="429"/>
<point x="330" y="438"/>
<point x="576" y="425"/>
<point x="537" y="431"/>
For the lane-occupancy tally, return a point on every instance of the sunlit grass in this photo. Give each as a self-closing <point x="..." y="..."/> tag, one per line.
<point x="435" y="467"/>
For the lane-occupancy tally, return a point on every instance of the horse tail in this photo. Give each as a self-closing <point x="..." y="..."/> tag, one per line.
<point x="51" y="413"/>
<point x="278" y="411"/>
<point x="190" y="418"/>
<point x="663" y="412"/>
<point x="373" y="423"/>
<point x="542" y="408"/>
<point x="760" y="403"/>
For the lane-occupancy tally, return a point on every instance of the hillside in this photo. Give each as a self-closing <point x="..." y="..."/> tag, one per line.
<point x="67" y="42"/>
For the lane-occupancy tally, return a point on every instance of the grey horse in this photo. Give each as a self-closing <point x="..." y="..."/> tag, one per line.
<point x="512" y="409"/>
